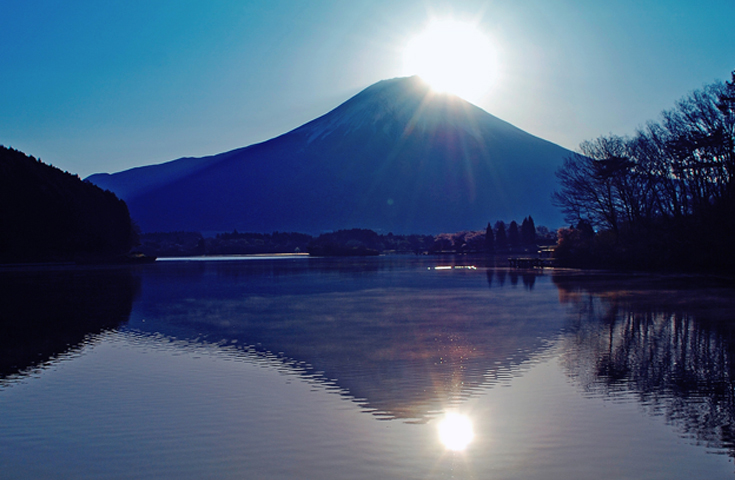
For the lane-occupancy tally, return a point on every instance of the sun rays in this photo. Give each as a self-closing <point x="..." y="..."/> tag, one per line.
<point x="454" y="57"/>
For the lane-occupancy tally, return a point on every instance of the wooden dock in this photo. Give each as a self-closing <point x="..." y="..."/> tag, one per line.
<point x="530" y="262"/>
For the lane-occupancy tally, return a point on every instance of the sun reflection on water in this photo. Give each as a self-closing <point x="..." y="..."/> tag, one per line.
<point x="455" y="431"/>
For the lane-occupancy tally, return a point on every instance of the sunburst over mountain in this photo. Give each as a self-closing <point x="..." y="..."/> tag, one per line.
<point x="395" y="157"/>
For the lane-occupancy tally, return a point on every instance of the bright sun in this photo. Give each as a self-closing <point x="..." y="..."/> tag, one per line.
<point x="453" y="57"/>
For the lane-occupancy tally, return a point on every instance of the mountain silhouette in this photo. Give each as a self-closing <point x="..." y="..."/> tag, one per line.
<point x="396" y="157"/>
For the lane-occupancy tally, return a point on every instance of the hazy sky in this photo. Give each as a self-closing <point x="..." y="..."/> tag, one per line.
<point x="102" y="86"/>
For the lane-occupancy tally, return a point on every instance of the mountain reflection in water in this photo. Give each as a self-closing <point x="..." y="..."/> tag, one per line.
<point x="403" y="345"/>
<point x="666" y="341"/>
<point x="398" y="337"/>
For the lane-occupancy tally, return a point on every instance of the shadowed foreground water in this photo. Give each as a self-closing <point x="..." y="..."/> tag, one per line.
<point x="339" y="368"/>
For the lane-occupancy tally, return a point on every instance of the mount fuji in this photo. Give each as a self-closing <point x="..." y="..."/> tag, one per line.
<point x="396" y="157"/>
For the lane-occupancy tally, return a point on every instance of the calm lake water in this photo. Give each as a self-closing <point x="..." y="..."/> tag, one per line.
<point x="305" y="368"/>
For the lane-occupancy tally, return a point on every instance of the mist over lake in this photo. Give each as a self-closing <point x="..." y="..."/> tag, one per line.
<point x="344" y="368"/>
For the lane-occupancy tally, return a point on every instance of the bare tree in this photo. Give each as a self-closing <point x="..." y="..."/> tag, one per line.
<point x="674" y="168"/>
<point x="595" y="184"/>
<point x="655" y="193"/>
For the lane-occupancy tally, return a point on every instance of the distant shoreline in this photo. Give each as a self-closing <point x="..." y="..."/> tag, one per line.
<point x="243" y="256"/>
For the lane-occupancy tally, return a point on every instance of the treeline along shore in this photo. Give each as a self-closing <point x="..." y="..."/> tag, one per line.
<point x="498" y="238"/>
<point x="662" y="199"/>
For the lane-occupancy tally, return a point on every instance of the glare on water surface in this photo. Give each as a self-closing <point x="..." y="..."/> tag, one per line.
<point x="455" y="431"/>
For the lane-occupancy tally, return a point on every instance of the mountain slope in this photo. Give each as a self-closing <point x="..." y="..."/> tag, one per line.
<point x="395" y="157"/>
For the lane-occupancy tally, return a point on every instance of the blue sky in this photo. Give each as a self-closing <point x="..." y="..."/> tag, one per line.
<point x="93" y="86"/>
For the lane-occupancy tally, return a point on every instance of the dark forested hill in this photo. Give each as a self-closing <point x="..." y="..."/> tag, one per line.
<point x="50" y="215"/>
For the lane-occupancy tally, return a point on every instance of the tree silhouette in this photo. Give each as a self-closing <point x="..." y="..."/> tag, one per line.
<point x="664" y="196"/>
<point x="501" y="239"/>
<point x="50" y="215"/>
<point x="514" y="237"/>
<point x="528" y="231"/>
<point x="489" y="238"/>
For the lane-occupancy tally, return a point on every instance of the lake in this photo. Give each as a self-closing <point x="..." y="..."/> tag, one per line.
<point x="363" y="368"/>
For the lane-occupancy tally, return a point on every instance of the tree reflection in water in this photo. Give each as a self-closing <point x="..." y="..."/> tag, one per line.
<point x="667" y="341"/>
<point x="49" y="311"/>
<point x="528" y="277"/>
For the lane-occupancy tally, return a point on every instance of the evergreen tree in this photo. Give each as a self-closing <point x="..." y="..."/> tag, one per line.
<point x="501" y="239"/>
<point x="489" y="238"/>
<point x="528" y="231"/>
<point x="514" y="238"/>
